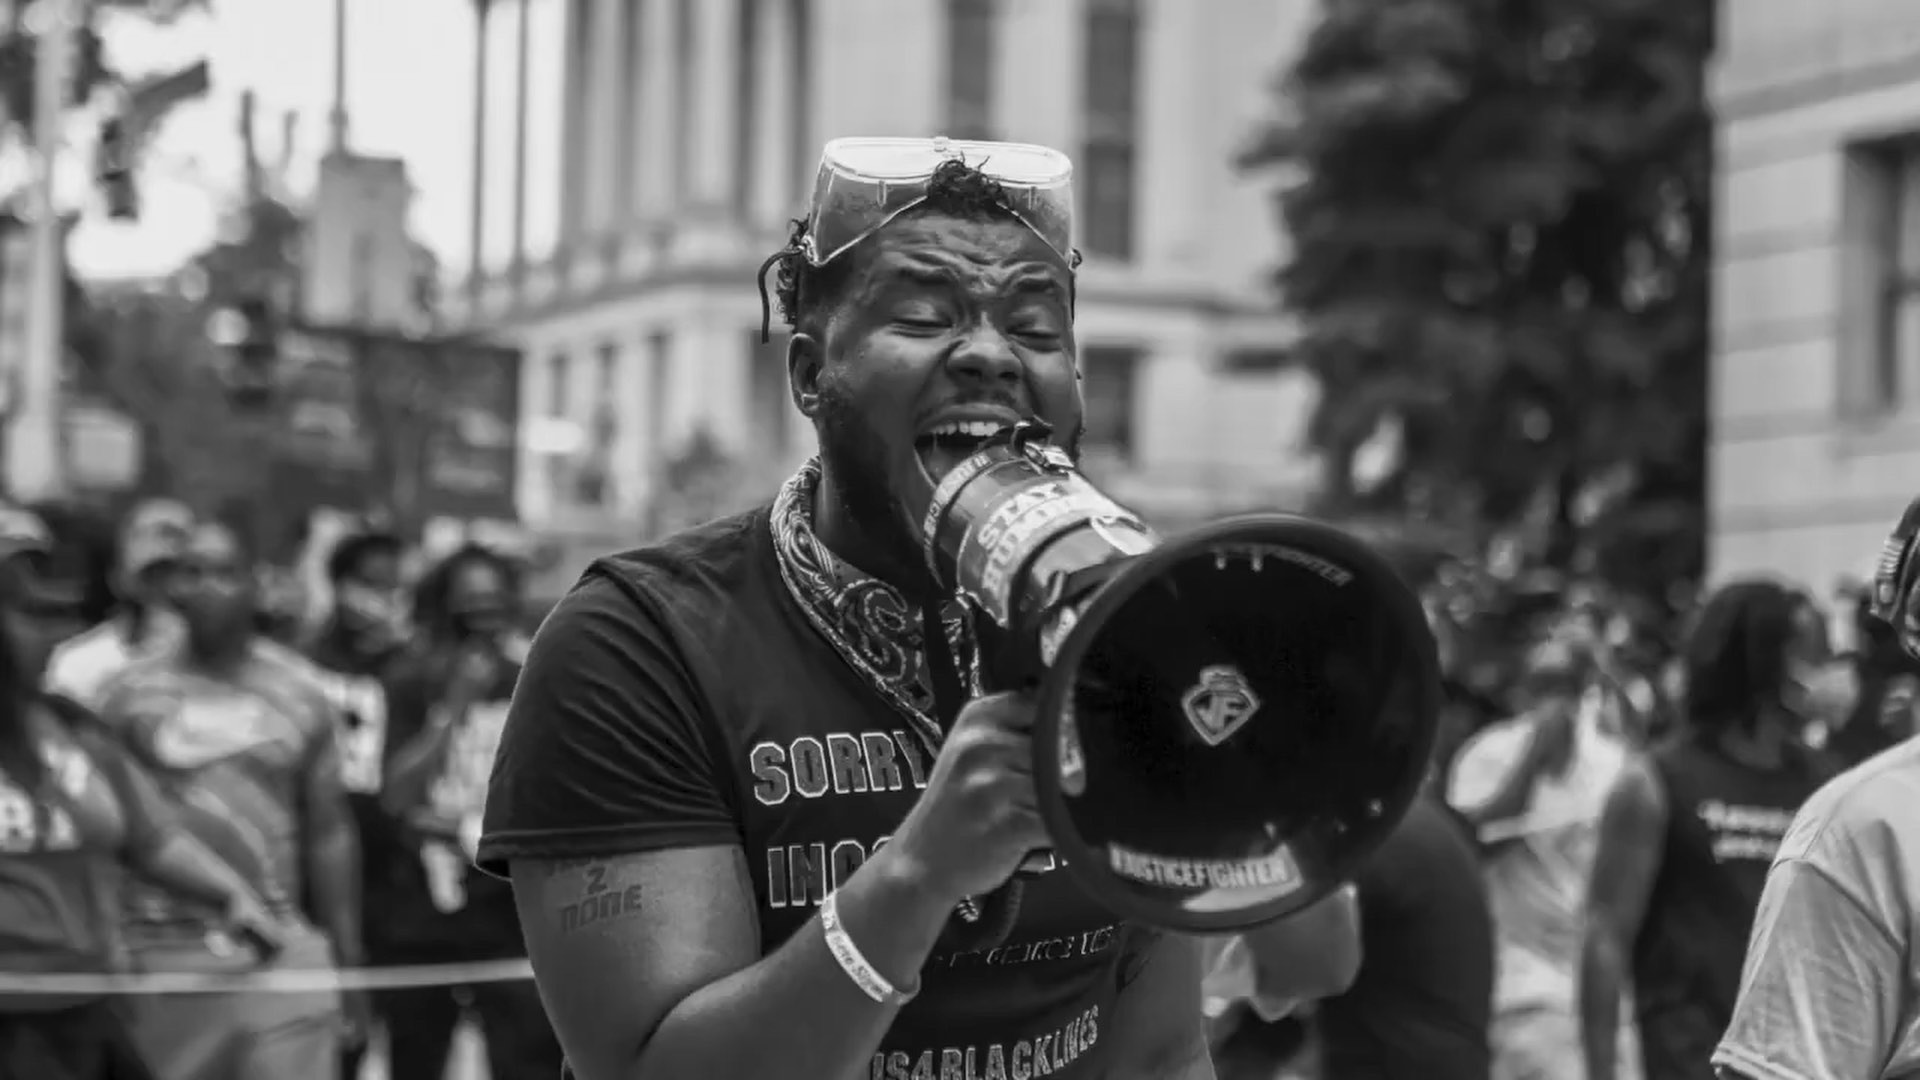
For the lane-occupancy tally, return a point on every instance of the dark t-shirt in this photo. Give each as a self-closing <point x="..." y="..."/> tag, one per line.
<point x="679" y="697"/>
<point x="1725" y="821"/>
<point x="473" y="917"/>
<point x="1423" y="999"/>
<point x="355" y="683"/>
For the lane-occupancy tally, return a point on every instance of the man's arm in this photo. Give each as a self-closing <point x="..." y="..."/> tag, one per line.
<point x="1312" y="954"/>
<point x="612" y="814"/>
<point x="333" y="850"/>
<point x="1493" y="805"/>
<point x="1632" y="837"/>
<point x="664" y="982"/>
<point x="419" y="736"/>
<point x="1157" y="1028"/>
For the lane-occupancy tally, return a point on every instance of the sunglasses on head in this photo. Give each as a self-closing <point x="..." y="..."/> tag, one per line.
<point x="862" y="184"/>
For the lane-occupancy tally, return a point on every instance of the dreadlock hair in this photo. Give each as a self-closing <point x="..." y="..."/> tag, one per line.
<point x="1735" y="660"/>
<point x="804" y="292"/>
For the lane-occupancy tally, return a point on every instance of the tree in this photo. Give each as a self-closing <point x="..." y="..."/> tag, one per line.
<point x="1500" y="240"/>
<point x="698" y="481"/>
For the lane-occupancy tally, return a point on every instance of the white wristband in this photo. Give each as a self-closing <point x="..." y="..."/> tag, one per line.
<point x="854" y="963"/>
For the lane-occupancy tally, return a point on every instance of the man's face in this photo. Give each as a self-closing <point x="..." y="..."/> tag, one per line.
<point x="370" y="597"/>
<point x="150" y="543"/>
<point x="478" y="600"/>
<point x="1553" y="677"/>
<point x="947" y="330"/>
<point x="213" y="586"/>
<point x="1823" y="686"/>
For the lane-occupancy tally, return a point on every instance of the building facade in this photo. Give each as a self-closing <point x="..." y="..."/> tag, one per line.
<point x="690" y="131"/>
<point x="1816" y="377"/>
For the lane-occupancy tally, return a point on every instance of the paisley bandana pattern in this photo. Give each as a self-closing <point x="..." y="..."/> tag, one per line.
<point x="871" y="624"/>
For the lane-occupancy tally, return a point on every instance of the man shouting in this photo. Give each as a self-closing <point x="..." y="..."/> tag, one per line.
<point x="745" y="783"/>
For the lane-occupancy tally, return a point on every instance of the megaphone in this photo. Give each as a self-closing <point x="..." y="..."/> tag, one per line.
<point x="1229" y="721"/>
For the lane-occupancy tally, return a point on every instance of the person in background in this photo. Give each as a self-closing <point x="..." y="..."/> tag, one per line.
<point x="75" y="817"/>
<point x="243" y="743"/>
<point x="355" y="647"/>
<point x="1532" y="789"/>
<point x="1884" y="716"/>
<point x="1423" y="1000"/>
<point x="447" y="703"/>
<point x="1690" y="829"/>
<point x="148" y="548"/>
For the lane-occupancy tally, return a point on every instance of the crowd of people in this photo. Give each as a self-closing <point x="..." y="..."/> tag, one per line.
<point x="1575" y="896"/>
<point x="191" y="786"/>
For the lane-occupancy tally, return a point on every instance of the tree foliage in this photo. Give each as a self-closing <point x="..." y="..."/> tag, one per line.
<point x="1500" y="252"/>
<point x="147" y="354"/>
<point x="91" y="67"/>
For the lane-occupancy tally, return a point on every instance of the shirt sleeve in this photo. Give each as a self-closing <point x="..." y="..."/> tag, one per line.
<point x="607" y="747"/>
<point x="1820" y="994"/>
<point x="150" y="818"/>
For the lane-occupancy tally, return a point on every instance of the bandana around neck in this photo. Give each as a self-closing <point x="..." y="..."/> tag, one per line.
<point x="871" y="624"/>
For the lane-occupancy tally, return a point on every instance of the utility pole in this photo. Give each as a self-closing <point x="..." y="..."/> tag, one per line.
<point x="337" y="116"/>
<point x="35" y="459"/>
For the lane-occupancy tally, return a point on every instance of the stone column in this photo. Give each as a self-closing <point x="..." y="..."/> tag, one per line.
<point x="476" y="220"/>
<point x="573" y="109"/>
<point x="774" y="198"/>
<point x="520" y="119"/>
<point x="606" y="93"/>
<point x="716" y="82"/>
<point x="656" y="117"/>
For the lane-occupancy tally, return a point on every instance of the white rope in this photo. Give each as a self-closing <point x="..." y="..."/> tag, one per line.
<point x="316" y="980"/>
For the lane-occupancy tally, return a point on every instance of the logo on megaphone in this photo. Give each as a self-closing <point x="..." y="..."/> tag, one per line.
<point x="1229" y="721"/>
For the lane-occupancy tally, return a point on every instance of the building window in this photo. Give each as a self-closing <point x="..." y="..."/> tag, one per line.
<point x="1110" y="112"/>
<point x="971" y="65"/>
<point x="659" y="386"/>
<point x="559" y="385"/>
<point x="1111" y="391"/>
<point x="363" y="277"/>
<point x="1882" y="287"/>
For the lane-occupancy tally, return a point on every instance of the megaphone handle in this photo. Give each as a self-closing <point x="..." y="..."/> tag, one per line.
<point x="998" y="911"/>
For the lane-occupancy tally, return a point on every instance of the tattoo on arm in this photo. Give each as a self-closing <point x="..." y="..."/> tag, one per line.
<point x="600" y="900"/>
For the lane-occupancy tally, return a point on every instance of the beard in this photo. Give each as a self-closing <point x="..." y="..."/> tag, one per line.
<point x="856" y="456"/>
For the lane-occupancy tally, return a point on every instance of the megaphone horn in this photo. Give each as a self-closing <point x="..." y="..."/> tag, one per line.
<point x="1229" y="721"/>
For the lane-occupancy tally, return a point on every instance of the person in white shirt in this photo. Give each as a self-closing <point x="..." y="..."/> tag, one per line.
<point x="150" y="541"/>
<point x="1533" y="788"/>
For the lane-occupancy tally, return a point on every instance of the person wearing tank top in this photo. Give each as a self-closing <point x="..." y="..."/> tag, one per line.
<point x="748" y="775"/>
<point x="1691" y="827"/>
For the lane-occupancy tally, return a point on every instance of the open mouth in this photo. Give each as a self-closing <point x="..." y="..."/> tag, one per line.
<point x="944" y="446"/>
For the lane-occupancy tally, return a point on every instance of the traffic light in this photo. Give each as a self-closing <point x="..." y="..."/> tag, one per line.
<point x="113" y="169"/>
<point x="256" y="354"/>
